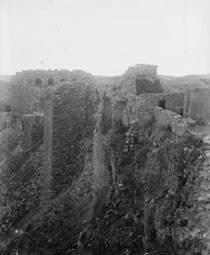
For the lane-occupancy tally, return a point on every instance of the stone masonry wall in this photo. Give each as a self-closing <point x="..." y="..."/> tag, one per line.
<point x="139" y="79"/>
<point x="26" y="100"/>
<point x="141" y="108"/>
<point x="47" y="146"/>
<point x="49" y="78"/>
<point x="101" y="162"/>
<point x="197" y="104"/>
<point x="202" y="229"/>
<point x="178" y="125"/>
<point x="33" y="130"/>
<point x="175" y="102"/>
<point x="5" y="120"/>
<point x="21" y="99"/>
<point x="65" y="125"/>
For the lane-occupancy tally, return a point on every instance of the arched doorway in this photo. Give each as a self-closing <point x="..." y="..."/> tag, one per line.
<point x="51" y="82"/>
<point x="38" y="82"/>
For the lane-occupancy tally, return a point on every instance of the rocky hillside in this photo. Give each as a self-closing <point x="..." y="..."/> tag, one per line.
<point x="146" y="210"/>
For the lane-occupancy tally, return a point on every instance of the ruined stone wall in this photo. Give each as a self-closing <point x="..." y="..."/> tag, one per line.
<point x="164" y="118"/>
<point x="101" y="162"/>
<point x="26" y="100"/>
<point x="202" y="225"/>
<point x="175" y="102"/>
<point x="178" y="125"/>
<point x="197" y="104"/>
<point x="5" y="120"/>
<point x="137" y="80"/>
<point x="147" y="70"/>
<point x="47" y="146"/>
<point x="32" y="129"/>
<point x="5" y="106"/>
<point x="43" y="78"/>
<point x="68" y="126"/>
<point x="141" y="107"/>
<point x="21" y="99"/>
<point x="66" y="123"/>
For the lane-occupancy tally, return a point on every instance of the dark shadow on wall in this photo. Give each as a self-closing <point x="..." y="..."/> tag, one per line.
<point x="38" y="82"/>
<point x="144" y="86"/>
<point x="51" y="82"/>
<point x="162" y="104"/>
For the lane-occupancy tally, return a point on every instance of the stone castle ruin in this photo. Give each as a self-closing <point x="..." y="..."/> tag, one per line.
<point x="59" y="109"/>
<point x="57" y="106"/>
<point x="60" y="106"/>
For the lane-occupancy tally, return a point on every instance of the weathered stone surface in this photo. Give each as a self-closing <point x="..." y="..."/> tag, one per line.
<point x="197" y="105"/>
<point x="43" y="78"/>
<point x="67" y="119"/>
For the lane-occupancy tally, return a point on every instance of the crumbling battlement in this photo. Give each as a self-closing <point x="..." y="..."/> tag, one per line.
<point x="137" y="80"/>
<point x="141" y="69"/>
<point x="28" y="87"/>
<point x="21" y="99"/>
<point x="42" y="78"/>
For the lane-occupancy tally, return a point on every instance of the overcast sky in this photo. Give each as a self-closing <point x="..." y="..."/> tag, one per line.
<point x="105" y="36"/>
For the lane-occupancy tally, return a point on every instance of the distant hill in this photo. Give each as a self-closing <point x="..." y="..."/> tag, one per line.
<point x="170" y="83"/>
<point x="185" y="82"/>
<point x="6" y="78"/>
<point x="106" y="80"/>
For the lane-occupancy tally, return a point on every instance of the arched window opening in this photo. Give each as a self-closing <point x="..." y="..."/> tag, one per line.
<point x="162" y="104"/>
<point x="51" y="82"/>
<point x="38" y="82"/>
